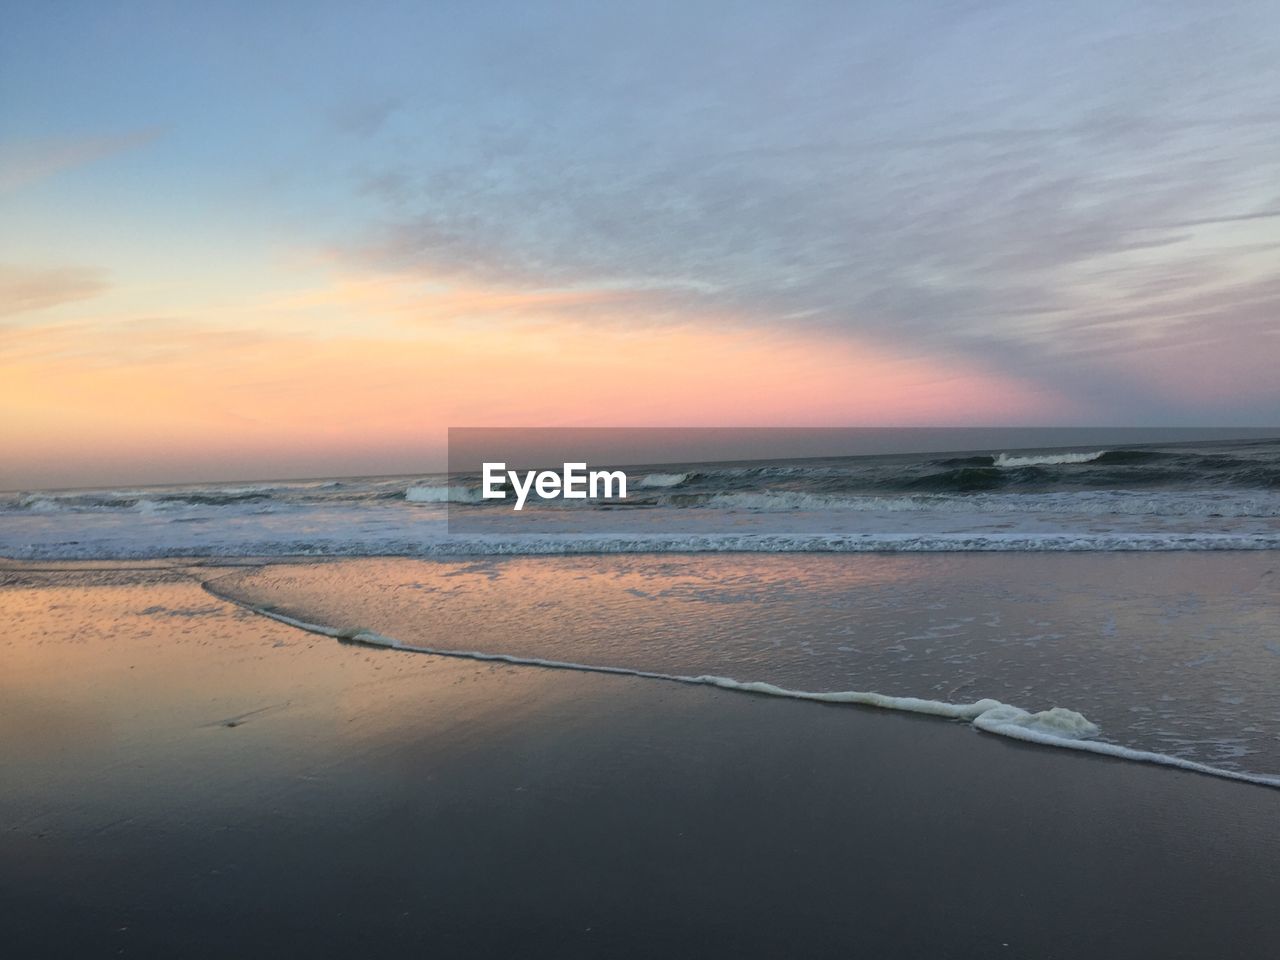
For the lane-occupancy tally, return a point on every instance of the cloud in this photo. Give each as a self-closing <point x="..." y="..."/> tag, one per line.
<point x="1236" y="218"/>
<point x="985" y="184"/>
<point x="24" y="290"/>
<point x="364" y="118"/>
<point x="23" y="162"/>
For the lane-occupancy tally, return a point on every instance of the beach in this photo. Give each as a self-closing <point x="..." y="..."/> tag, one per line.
<point x="183" y="776"/>
<point x="543" y="481"/>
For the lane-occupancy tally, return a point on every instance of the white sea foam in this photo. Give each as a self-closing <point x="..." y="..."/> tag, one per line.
<point x="423" y="493"/>
<point x="1085" y="503"/>
<point x="1047" y="459"/>
<point x="1047" y="725"/>
<point x="565" y="545"/>
<point x="39" y="504"/>
<point x="257" y="489"/>
<point x="662" y="479"/>
<point x="406" y="517"/>
<point x="1056" y="727"/>
<point x="787" y="500"/>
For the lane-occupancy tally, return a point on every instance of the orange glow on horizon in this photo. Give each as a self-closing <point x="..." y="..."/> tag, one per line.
<point x="154" y="400"/>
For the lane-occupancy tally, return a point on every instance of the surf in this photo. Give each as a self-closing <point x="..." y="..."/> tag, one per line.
<point x="1046" y="459"/>
<point x="1058" y="727"/>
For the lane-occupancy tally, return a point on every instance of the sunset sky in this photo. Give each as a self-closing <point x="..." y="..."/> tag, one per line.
<point x="280" y="239"/>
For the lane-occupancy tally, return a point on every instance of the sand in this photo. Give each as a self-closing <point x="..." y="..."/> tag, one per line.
<point x="184" y="778"/>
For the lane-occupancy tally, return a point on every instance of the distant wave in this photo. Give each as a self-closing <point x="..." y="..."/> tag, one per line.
<point x="975" y="461"/>
<point x="1209" y="498"/>
<point x="442" y="494"/>
<point x="662" y="479"/>
<point x="1208" y="471"/>
<point x="1047" y="459"/>
<point x="135" y="502"/>
<point x="1090" y="503"/>
<point x="957" y="480"/>
<point x="160" y="498"/>
<point x="1118" y="457"/>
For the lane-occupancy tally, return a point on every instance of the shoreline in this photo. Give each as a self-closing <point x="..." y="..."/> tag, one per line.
<point x="986" y="715"/>
<point x="189" y="777"/>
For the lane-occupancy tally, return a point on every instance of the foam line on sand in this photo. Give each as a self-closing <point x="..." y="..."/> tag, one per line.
<point x="1056" y="727"/>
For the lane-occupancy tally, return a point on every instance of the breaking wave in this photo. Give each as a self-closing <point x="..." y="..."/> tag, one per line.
<point x="442" y="494"/>
<point x="1047" y="459"/>
<point x="570" y="544"/>
<point x="1094" y="503"/>
<point x="1208" y="497"/>
<point x="662" y="479"/>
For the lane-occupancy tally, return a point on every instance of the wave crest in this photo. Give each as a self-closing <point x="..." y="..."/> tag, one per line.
<point x="1047" y="459"/>
<point x="662" y="479"/>
<point x="433" y="494"/>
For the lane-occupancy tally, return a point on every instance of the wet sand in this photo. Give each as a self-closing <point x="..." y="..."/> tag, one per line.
<point x="184" y="778"/>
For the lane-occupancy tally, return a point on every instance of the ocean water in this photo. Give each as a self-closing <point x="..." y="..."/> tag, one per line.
<point x="1205" y="496"/>
<point x="1123" y="600"/>
<point x="1169" y="657"/>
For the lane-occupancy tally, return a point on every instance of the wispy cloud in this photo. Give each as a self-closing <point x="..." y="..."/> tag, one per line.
<point x="1236" y="218"/>
<point x="1023" y="182"/>
<point x="24" y="289"/>
<point x="364" y="117"/>
<point x="23" y="162"/>
<point x="748" y="212"/>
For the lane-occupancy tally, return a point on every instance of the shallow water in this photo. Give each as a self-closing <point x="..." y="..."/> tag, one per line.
<point x="1174" y="653"/>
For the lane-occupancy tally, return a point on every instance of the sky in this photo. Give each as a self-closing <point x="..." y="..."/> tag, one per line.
<point x="246" y="240"/>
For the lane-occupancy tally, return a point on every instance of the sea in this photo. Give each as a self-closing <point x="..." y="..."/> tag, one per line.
<point x="1219" y="495"/>
<point x="1120" y="600"/>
